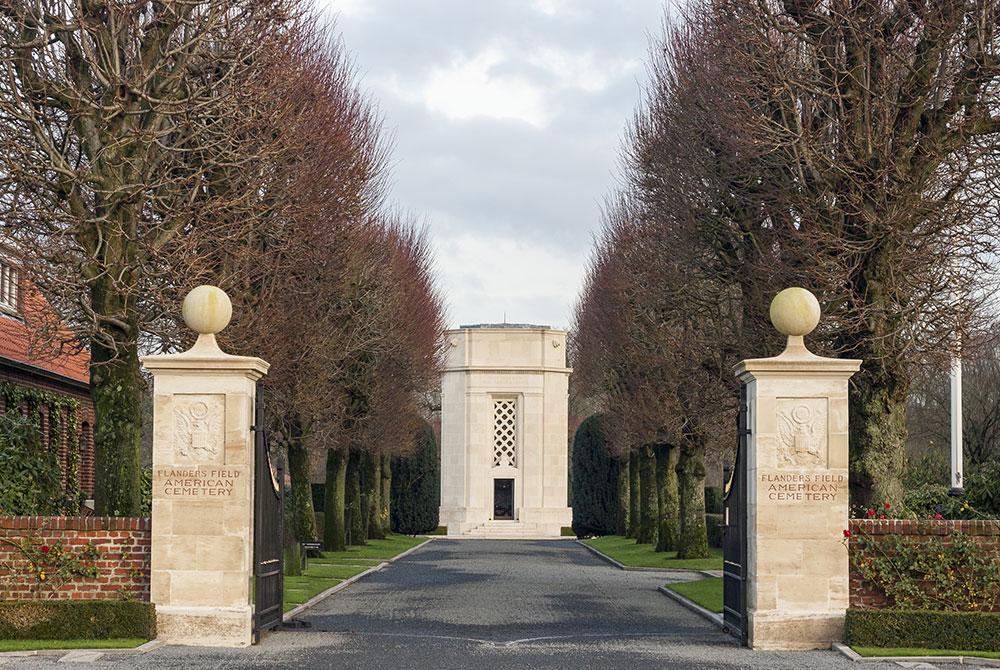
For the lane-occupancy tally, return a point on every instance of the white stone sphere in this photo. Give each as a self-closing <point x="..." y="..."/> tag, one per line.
<point x="795" y="311"/>
<point x="207" y="309"/>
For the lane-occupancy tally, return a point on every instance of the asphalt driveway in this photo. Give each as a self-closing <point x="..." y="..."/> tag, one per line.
<point x="491" y="605"/>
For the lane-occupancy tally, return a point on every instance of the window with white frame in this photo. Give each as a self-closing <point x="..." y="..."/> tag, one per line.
<point x="505" y="433"/>
<point x="9" y="287"/>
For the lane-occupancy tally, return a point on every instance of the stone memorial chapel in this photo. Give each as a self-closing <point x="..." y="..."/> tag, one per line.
<point x="504" y="432"/>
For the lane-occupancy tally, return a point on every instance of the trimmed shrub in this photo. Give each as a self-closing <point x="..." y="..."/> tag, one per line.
<point x="713" y="500"/>
<point x="715" y="525"/>
<point x="76" y="619"/>
<point x="595" y="481"/>
<point x="971" y="631"/>
<point x="416" y="486"/>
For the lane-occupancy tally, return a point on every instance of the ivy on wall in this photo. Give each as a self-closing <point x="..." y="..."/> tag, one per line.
<point x="28" y="466"/>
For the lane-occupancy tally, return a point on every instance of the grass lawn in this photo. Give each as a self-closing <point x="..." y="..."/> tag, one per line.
<point x="31" y="645"/>
<point x="705" y="592"/>
<point x="627" y="552"/>
<point x="914" y="651"/>
<point x="336" y="566"/>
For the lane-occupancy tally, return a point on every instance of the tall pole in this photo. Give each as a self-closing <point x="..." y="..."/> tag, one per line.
<point x="956" y="426"/>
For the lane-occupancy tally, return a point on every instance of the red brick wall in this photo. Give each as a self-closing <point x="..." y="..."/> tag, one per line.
<point x="112" y="536"/>
<point x="986" y="534"/>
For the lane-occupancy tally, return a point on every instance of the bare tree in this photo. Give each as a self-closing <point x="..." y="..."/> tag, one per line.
<point x="128" y="130"/>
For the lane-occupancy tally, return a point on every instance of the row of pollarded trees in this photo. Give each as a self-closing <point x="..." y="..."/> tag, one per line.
<point x="634" y="496"/>
<point x="844" y="147"/>
<point x="146" y="148"/>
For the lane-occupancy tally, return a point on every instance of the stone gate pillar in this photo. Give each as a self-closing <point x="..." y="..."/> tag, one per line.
<point x="203" y="465"/>
<point x="797" y="496"/>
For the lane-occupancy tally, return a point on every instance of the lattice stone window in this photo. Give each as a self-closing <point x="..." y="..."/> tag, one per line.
<point x="505" y="433"/>
<point x="8" y="287"/>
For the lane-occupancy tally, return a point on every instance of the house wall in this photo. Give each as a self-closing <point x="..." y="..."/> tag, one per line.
<point x="85" y="419"/>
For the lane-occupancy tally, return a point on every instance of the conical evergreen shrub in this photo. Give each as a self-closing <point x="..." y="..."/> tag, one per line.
<point x="416" y="486"/>
<point x="595" y="481"/>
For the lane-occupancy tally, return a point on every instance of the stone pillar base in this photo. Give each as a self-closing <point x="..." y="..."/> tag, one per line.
<point x="547" y="516"/>
<point x="778" y="632"/>
<point x="205" y="626"/>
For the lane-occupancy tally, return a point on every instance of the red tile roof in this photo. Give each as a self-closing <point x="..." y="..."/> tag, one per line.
<point x="20" y="341"/>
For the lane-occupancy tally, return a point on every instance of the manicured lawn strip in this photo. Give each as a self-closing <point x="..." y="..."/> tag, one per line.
<point x="336" y="566"/>
<point x="384" y="549"/>
<point x="914" y="651"/>
<point x="627" y="552"/>
<point x="32" y="645"/>
<point x="705" y="592"/>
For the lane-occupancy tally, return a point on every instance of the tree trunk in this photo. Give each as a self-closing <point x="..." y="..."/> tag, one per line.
<point x="334" y="529"/>
<point x="878" y="437"/>
<point x="693" y="540"/>
<point x="386" y="493"/>
<point x="373" y="494"/>
<point x="355" y="509"/>
<point x="634" y="515"/>
<point x="648" y="513"/>
<point x="666" y="483"/>
<point x="303" y="516"/>
<point x="116" y="390"/>
<point x="623" y="498"/>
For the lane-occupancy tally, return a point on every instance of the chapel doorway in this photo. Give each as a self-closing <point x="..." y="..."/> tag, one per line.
<point x="503" y="499"/>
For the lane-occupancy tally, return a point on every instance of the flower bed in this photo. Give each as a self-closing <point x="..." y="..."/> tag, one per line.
<point x="74" y="558"/>
<point x="931" y="564"/>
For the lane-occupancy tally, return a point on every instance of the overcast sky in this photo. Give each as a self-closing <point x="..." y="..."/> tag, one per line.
<point x="507" y="118"/>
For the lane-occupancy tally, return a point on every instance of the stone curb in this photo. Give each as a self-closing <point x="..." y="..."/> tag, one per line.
<point x="693" y="606"/>
<point x="847" y="652"/>
<point x="144" y="648"/>
<point x="298" y="609"/>
<point x="635" y="568"/>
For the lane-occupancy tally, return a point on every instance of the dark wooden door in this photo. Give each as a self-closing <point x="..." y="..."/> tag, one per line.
<point x="503" y="499"/>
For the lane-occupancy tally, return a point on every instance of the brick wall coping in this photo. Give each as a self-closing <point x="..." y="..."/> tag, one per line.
<point x="74" y="523"/>
<point x="989" y="527"/>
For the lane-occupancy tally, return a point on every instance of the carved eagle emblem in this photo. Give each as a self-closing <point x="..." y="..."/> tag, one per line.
<point x="198" y="431"/>
<point x="801" y="436"/>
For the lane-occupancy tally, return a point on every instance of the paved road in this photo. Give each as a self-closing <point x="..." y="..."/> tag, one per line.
<point x="493" y="605"/>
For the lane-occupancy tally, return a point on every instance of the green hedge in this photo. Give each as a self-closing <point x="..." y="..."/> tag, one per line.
<point x="713" y="500"/>
<point x="76" y="620"/>
<point x="715" y="526"/>
<point x="972" y="631"/>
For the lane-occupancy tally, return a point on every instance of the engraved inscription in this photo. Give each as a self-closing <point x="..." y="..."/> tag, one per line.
<point x="199" y="436"/>
<point x="802" y="427"/>
<point x="802" y="487"/>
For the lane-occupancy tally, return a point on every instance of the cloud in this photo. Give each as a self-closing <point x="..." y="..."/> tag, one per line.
<point x="503" y="83"/>
<point x="492" y="278"/>
<point x="471" y="87"/>
<point x="507" y="117"/>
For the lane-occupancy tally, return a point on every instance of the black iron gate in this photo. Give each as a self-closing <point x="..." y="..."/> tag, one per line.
<point x="734" y="543"/>
<point x="267" y="532"/>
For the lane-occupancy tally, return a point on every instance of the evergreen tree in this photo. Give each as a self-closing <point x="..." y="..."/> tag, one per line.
<point x="416" y="486"/>
<point x="595" y="481"/>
